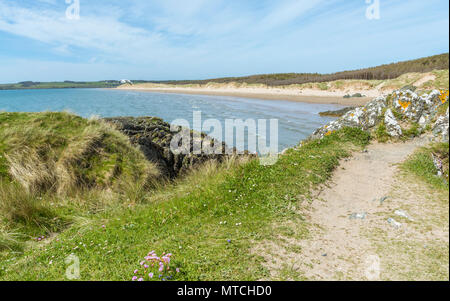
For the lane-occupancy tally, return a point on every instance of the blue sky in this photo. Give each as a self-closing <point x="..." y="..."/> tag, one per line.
<point x="195" y="39"/>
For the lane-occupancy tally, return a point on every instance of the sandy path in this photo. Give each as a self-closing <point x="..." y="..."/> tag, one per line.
<point x="339" y="247"/>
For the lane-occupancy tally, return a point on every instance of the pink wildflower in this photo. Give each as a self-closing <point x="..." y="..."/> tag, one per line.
<point x="134" y="278"/>
<point x="150" y="275"/>
<point x="136" y="271"/>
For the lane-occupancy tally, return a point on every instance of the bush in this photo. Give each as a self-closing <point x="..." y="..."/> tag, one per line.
<point x="381" y="133"/>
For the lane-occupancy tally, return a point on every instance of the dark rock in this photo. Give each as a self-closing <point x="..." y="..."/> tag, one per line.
<point x="153" y="136"/>
<point x="337" y="113"/>
<point x="357" y="95"/>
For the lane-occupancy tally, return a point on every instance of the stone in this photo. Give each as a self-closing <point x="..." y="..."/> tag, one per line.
<point x="441" y="127"/>
<point x="392" y="126"/>
<point x="358" y="215"/>
<point x="438" y="164"/>
<point x="405" y="103"/>
<point x="373" y="110"/>
<point x="153" y="137"/>
<point x="394" y="223"/>
<point x="409" y="104"/>
<point x="403" y="213"/>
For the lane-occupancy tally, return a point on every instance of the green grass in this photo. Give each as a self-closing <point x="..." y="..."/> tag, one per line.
<point x="187" y="219"/>
<point x="381" y="133"/>
<point x="412" y="131"/>
<point x="442" y="109"/>
<point x="421" y="164"/>
<point x="323" y="86"/>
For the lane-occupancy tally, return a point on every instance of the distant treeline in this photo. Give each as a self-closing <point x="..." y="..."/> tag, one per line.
<point x="383" y="72"/>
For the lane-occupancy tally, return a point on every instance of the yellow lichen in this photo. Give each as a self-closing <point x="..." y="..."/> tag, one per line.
<point x="444" y="96"/>
<point x="404" y="104"/>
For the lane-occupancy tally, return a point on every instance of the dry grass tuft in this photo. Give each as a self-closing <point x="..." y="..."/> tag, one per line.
<point x="28" y="169"/>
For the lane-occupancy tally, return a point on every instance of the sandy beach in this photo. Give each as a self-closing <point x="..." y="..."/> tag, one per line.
<point x="324" y="93"/>
<point x="311" y="96"/>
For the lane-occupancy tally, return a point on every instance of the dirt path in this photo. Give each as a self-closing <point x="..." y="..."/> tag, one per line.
<point x="342" y="246"/>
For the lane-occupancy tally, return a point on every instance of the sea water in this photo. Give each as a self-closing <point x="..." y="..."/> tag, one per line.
<point x="296" y="120"/>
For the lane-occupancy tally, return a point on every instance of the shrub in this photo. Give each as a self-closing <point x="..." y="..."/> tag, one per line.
<point x="381" y="133"/>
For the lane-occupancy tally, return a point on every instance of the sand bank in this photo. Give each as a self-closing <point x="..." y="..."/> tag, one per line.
<point x="311" y="96"/>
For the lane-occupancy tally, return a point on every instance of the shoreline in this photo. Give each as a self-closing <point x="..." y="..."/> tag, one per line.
<point x="266" y="95"/>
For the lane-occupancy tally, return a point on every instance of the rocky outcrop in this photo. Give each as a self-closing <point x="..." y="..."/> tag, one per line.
<point x="153" y="136"/>
<point x="440" y="128"/>
<point x="392" y="126"/>
<point x="397" y="112"/>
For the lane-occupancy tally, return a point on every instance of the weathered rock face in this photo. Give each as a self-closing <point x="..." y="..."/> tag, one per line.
<point x="413" y="106"/>
<point x="410" y="107"/>
<point x="440" y="128"/>
<point x="392" y="126"/>
<point x="374" y="110"/>
<point x="153" y="136"/>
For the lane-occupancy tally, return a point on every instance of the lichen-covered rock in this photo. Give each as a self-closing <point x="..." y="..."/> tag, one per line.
<point x="409" y="104"/>
<point x="153" y="136"/>
<point x="374" y="110"/>
<point x="405" y="105"/>
<point x="414" y="107"/>
<point x="441" y="127"/>
<point x="424" y="120"/>
<point x="392" y="126"/>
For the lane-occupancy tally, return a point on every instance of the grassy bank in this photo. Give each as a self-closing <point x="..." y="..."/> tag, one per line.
<point x="54" y="166"/>
<point x="209" y="220"/>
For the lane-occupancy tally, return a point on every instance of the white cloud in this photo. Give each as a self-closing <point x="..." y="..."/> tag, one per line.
<point x="104" y="34"/>
<point x="204" y="24"/>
